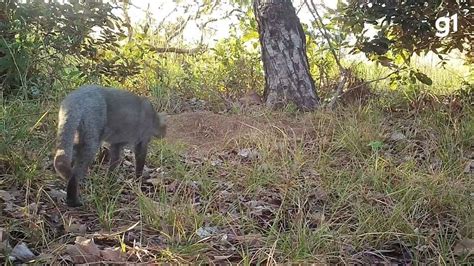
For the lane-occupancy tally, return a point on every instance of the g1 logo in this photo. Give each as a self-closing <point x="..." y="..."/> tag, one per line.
<point x="443" y="25"/>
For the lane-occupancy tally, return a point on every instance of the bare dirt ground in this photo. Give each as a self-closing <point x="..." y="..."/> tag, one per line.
<point x="203" y="132"/>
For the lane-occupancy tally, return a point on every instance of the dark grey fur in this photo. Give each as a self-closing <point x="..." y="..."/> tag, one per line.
<point x="92" y="115"/>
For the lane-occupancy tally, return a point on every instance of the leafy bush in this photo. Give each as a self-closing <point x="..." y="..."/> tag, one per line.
<point x="39" y="39"/>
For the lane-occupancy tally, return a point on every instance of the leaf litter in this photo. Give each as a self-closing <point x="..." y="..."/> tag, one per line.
<point x="79" y="230"/>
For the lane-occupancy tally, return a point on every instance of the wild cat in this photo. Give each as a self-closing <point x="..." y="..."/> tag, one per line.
<point x="92" y="115"/>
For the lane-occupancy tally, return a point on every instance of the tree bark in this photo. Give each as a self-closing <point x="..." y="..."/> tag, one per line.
<point x="283" y="43"/>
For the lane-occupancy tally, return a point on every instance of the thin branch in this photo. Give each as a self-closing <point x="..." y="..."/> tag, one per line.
<point x="179" y="30"/>
<point x="340" y="87"/>
<point x="175" y="50"/>
<point x="226" y="15"/>
<point x="299" y="8"/>
<point x="374" y="80"/>
<point x="183" y="25"/>
<point x="324" y="32"/>
<point x="322" y="29"/>
<point x="203" y="25"/>
<point x="160" y="24"/>
<point x="128" y="23"/>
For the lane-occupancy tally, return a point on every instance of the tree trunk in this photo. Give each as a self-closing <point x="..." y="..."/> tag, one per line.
<point x="287" y="75"/>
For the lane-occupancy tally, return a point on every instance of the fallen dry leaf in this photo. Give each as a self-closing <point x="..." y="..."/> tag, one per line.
<point x="32" y="208"/>
<point x="464" y="247"/>
<point x="155" y="172"/>
<point x="216" y="162"/>
<point x="6" y="196"/>
<point x="397" y="136"/>
<point x="112" y="254"/>
<point x="248" y="154"/>
<point x="75" y="228"/>
<point x="14" y="210"/>
<point x="83" y="251"/>
<point x="127" y="163"/>
<point x="22" y="252"/>
<point x="206" y="231"/>
<point x="57" y="194"/>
